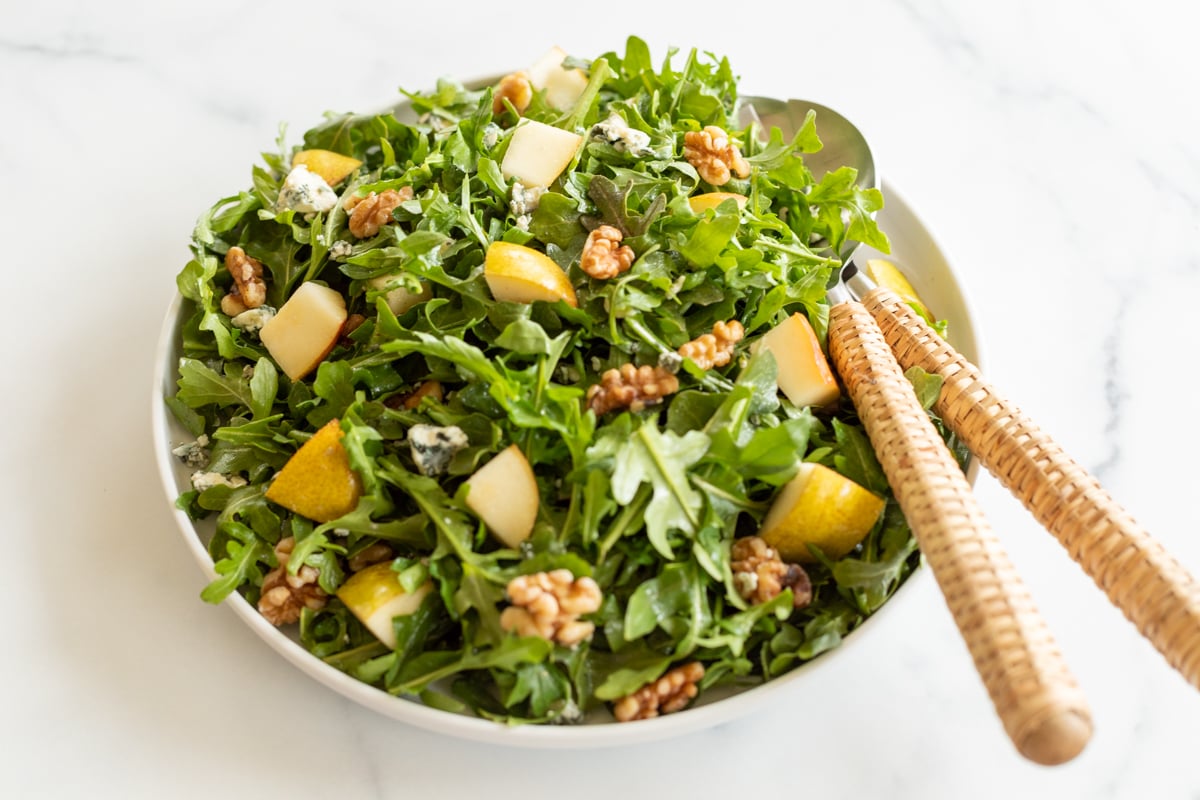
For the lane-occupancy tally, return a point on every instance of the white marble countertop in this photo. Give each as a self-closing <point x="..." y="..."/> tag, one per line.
<point x="1052" y="148"/>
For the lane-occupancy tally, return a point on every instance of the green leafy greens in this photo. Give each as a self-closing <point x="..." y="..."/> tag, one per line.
<point x="645" y="502"/>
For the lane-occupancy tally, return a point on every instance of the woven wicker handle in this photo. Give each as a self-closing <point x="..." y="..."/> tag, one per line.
<point x="1153" y="590"/>
<point x="1037" y="699"/>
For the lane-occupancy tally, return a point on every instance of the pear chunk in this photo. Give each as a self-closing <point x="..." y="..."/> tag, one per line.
<point x="702" y="202"/>
<point x="538" y="153"/>
<point x="819" y="506"/>
<point x="375" y="596"/>
<point x="333" y="167"/>
<point x="317" y="481"/>
<point x="504" y="494"/>
<point x="400" y="299"/>
<point x="804" y="373"/>
<point x="887" y="274"/>
<point x="519" y="274"/>
<point x="563" y="86"/>
<point x="304" y="329"/>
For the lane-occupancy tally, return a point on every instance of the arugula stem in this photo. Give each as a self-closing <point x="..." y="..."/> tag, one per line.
<point x="600" y="72"/>
<point x="667" y="479"/>
<point x="617" y="530"/>
<point x="682" y="82"/>
<point x="469" y="217"/>
<point x="572" y="518"/>
<point x="712" y="490"/>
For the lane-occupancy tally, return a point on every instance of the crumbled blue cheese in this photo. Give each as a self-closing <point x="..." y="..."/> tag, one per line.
<point x="746" y="583"/>
<point x="523" y="202"/>
<point x="433" y="447"/>
<point x="305" y="191"/>
<point x="252" y="320"/>
<point x="571" y="714"/>
<point x="567" y="374"/>
<point x="623" y="138"/>
<point x="670" y="361"/>
<point x="341" y="250"/>
<point x="202" y="480"/>
<point x="193" y="454"/>
<point x="491" y="135"/>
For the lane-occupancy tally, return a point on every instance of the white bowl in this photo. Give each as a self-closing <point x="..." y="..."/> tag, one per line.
<point x="913" y="249"/>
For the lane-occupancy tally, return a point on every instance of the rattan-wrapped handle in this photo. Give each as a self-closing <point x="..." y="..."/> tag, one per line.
<point x="1154" y="591"/>
<point x="1036" y="697"/>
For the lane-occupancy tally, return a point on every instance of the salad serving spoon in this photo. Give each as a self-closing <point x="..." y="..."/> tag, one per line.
<point x="873" y="337"/>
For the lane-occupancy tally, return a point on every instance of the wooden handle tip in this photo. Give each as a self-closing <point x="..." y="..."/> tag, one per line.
<point x="1057" y="737"/>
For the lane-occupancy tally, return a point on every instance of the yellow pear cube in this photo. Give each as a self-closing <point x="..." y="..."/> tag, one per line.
<point x="519" y="274"/>
<point x="820" y="506"/>
<point x="317" y="481"/>
<point x="887" y="274"/>
<point x="305" y="329"/>
<point x="333" y="167"/>
<point x="400" y="299"/>
<point x="804" y="373"/>
<point x="702" y="202"/>
<point x="375" y="596"/>
<point x="538" y="153"/>
<point x="563" y="86"/>
<point x="504" y="494"/>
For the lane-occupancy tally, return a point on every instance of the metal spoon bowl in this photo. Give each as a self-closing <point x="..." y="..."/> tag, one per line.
<point x="844" y="144"/>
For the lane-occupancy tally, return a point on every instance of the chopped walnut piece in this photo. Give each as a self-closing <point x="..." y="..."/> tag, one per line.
<point x="631" y="387"/>
<point x="284" y="596"/>
<point x="714" y="349"/>
<point x="426" y="389"/>
<point x="759" y="574"/>
<point x="375" y="554"/>
<point x="411" y="400"/>
<point x="250" y="290"/>
<point x="369" y="214"/>
<point x="672" y="692"/>
<point x="350" y="325"/>
<point x="714" y="156"/>
<point x="516" y="89"/>
<point x="604" y="256"/>
<point x="549" y="604"/>
<point x="232" y="305"/>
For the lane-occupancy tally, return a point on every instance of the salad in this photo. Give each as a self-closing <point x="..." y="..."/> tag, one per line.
<point x="514" y="400"/>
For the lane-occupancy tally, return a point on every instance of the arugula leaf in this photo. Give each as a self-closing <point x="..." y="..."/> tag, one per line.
<point x="856" y="458"/>
<point x="199" y="386"/>
<point x="926" y="385"/>
<point x="243" y="551"/>
<point x="661" y="459"/>
<point x="657" y="600"/>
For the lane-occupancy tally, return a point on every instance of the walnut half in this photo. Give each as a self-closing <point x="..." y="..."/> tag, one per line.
<point x="250" y="290"/>
<point x="714" y="349"/>
<point x="369" y="214"/>
<point x="672" y="692"/>
<point x="631" y="387"/>
<point x="516" y="89"/>
<point x="759" y="574"/>
<point x="549" y="604"/>
<point x="603" y="255"/>
<point x="284" y="596"/>
<point x="714" y="156"/>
